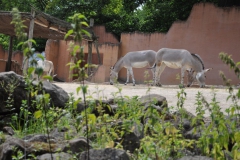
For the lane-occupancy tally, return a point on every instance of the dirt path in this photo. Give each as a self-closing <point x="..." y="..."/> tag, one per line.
<point x="105" y="91"/>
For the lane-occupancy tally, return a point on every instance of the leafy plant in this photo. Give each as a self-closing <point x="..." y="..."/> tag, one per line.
<point x="78" y="21"/>
<point x="28" y="121"/>
<point x="181" y="98"/>
<point x="229" y="61"/>
<point x="218" y="138"/>
<point x="9" y="89"/>
<point x="19" y="154"/>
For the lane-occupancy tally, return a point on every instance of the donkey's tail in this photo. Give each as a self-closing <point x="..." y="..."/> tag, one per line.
<point x="154" y="66"/>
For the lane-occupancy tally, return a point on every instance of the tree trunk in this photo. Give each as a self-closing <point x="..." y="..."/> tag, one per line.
<point x="9" y="61"/>
<point x="30" y="36"/>
<point x="89" y="57"/>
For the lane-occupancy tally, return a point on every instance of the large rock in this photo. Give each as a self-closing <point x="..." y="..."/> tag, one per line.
<point x="55" y="156"/>
<point x="38" y="145"/>
<point x="58" y="96"/>
<point x="105" y="154"/>
<point x="195" y="158"/>
<point x="131" y="141"/>
<point x="77" y="145"/>
<point x="19" y="93"/>
<point x="155" y="99"/>
<point x="39" y="138"/>
<point x="11" y="146"/>
<point x="107" y="107"/>
<point x="61" y="132"/>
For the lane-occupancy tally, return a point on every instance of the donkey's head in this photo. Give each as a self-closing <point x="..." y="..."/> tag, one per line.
<point x="113" y="75"/>
<point x="200" y="77"/>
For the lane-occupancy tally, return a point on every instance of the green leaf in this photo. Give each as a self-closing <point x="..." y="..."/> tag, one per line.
<point x="39" y="71"/>
<point x="85" y="24"/>
<point x="48" y="77"/>
<point x="75" y="104"/>
<point x="41" y="57"/>
<point x="80" y="16"/>
<point x="73" y="67"/>
<point x="110" y="144"/>
<point x="238" y="93"/>
<point x="84" y="89"/>
<point x="86" y="32"/>
<point x="76" y="48"/>
<point x="74" y="75"/>
<point x="79" y="62"/>
<point x="78" y="89"/>
<point x="232" y="110"/>
<point x="68" y="34"/>
<point x="114" y="134"/>
<point x="47" y="96"/>
<point x="92" y="118"/>
<point x="32" y="40"/>
<point x="69" y="64"/>
<point x="109" y="108"/>
<point x="20" y="44"/>
<point x="30" y="70"/>
<point x="167" y="131"/>
<point x="86" y="65"/>
<point x="38" y="114"/>
<point x="237" y="137"/>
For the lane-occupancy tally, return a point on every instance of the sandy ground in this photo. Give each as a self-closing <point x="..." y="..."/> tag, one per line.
<point x="106" y="91"/>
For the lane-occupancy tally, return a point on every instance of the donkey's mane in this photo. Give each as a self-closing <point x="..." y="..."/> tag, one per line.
<point x="198" y="58"/>
<point x="117" y="62"/>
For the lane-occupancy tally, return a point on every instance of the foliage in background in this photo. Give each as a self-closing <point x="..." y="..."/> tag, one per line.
<point x="22" y="5"/>
<point x="4" y="42"/>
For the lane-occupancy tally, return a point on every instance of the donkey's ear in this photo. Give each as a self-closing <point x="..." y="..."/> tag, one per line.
<point x="206" y="70"/>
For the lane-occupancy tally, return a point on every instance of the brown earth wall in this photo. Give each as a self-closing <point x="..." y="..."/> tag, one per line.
<point x="17" y="59"/>
<point x="109" y="54"/>
<point x="208" y="31"/>
<point x="57" y="51"/>
<point x="104" y="36"/>
<point x="2" y="59"/>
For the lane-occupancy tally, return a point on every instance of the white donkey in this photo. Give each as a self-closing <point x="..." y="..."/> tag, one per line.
<point x="47" y="67"/>
<point x="180" y="58"/>
<point x="136" y="59"/>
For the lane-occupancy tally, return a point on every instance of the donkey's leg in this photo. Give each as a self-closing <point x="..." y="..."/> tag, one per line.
<point x="182" y="76"/>
<point x="153" y="74"/>
<point x="127" y="76"/>
<point x="159" y="71"/>
<point x="131" y="73"/>
<point x="156" y="75"/>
